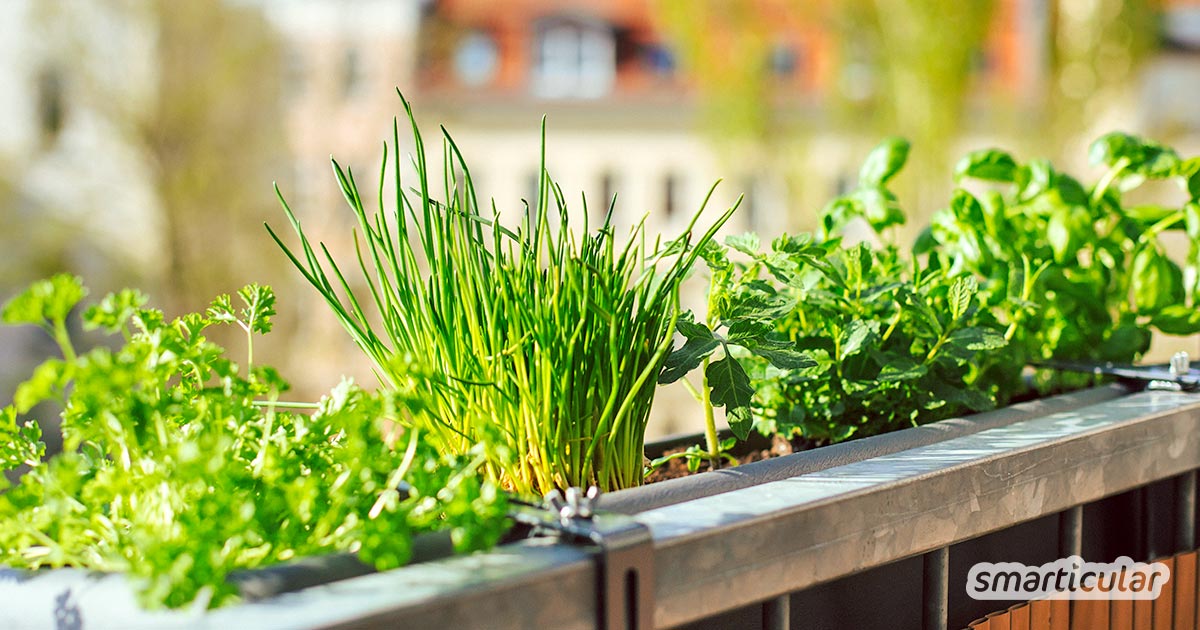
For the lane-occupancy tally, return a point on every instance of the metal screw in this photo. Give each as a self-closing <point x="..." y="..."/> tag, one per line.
<point x="575" y="505"/>
<point x="1179" y="364"/>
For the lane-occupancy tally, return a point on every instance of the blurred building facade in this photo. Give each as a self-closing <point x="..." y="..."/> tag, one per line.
<point x="65" y="159"/>
<point x="625" y="116"/>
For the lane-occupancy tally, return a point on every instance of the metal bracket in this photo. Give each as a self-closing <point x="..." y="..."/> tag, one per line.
<point x="624" y="564"/>
<point x="1176" y="376"/>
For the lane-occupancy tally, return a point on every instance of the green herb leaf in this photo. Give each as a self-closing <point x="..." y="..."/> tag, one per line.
<point x="178" y="471"/>
<point x="260" y="307"/>
<point x="1177" y="319"/>
<point x="19" y="444"/>
<point x="879" y="207"/>
<point x="785" y="355"/>
<point x="989" y="164"/>
<point x="687" y="357"/>
<point x="746" y="243"/>
<point x="731" y="389"/>
<point x="114" y="311"/>
<point x="49" y="381"/>
<point x="976" y="339"/>
<point x="44" y="301"/>
<point x="1142" y="156"/>
<point x="883" y="162"/>
<point x="691" y="329"/>
<point x="857" y="336"/>
<point x="1157" y="281"/>
<point x="221" y="310"/>
<point x="747" y="331"/>
<point x="897" y="368"/>
<point x="961" y="293"/>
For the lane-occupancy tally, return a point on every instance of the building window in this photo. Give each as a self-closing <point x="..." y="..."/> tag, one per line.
<point x="783" y="60"/>
<point x="671" y="192"/>
<point x="981" y="61"/>
<point x="573" y="59"/>
<point x="749" y="207"/>
<point x="353" y="75"/>
<point x="1181" y="26"/>
<point x="608" y="190"/>
<point x="659" y="60"/>
<point x="533" y="193"/>
<point x="294" y="73"/>
<point x="476" y="59"/>
<point x="51" y="106"/>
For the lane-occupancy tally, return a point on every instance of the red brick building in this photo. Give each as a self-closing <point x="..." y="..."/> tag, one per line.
<point x="622" y="49"/>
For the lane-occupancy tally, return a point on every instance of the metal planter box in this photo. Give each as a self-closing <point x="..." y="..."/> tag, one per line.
<point x="735" y="547"/>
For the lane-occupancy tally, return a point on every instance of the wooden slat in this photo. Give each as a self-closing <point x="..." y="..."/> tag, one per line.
<point x="1166" y="600"/>
<point x="1060" y="614"/>
<point x="1120" y="614"/>
<point x="1196" y="593"/>
<point x="1039" y="614"/>
<point x="1184" y="578"/>
<point x="1143" y="614"/>
<point x="999" y="620"/>
<point x="1089" y="614"/>
<point x="980" y="624"/>
<point x="1019" y="617"/>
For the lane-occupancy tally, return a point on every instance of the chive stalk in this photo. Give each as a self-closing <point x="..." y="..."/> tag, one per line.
<point x="543" y="343"/>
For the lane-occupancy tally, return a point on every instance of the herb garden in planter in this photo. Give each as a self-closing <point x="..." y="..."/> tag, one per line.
<point x="521" y="358"/>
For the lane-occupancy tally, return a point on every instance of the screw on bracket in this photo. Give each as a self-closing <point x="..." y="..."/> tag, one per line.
<point x="576" y="505"/>
<point x="1179" y="365"/>
<point x="1176" y="376"/>
<point x="625" y="562"/>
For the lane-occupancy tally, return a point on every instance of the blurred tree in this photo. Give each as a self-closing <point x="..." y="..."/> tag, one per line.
<point x="192" y="90"/>
<point x="924" y="52"/>
<point x="908" y="67"/>
<point x="724" y="48"/>
<point x="1095" y="50"/>
<point x="214" y="140"/>
<point x="208" y="127"/>
<point x="905" y="67"/>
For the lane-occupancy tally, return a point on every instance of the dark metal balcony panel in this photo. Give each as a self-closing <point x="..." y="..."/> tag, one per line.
<point x="740" y="547"/>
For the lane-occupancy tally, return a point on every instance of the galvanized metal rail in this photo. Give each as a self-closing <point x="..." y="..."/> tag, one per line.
<point x="758" y="544"/>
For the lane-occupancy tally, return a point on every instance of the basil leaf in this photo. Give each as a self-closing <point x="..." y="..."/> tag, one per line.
<point x="989" y="164"/>
<point x="883" y="162"/>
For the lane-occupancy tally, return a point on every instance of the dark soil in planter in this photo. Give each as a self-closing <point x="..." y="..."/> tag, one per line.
<point x="670" y="491"/>
<point x="756" y="449"/>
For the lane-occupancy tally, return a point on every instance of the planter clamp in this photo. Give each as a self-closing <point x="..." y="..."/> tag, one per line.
<point x="624" y="564"/>
<point x="1177" y="376"/>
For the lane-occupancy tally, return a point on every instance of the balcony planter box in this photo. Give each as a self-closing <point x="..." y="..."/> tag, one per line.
<point x="540" y="583"/>
<point x="852" y="511"/>
<point x="77" y="599"/>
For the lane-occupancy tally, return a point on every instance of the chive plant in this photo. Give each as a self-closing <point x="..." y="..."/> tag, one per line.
<point x="547" y="344"/>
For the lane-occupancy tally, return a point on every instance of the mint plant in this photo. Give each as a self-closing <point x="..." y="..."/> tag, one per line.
<point x="742" y="310"/>
<point x="181" y="467"/>
<point x="832" y="341"/>
<point x="895" y="345"/>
